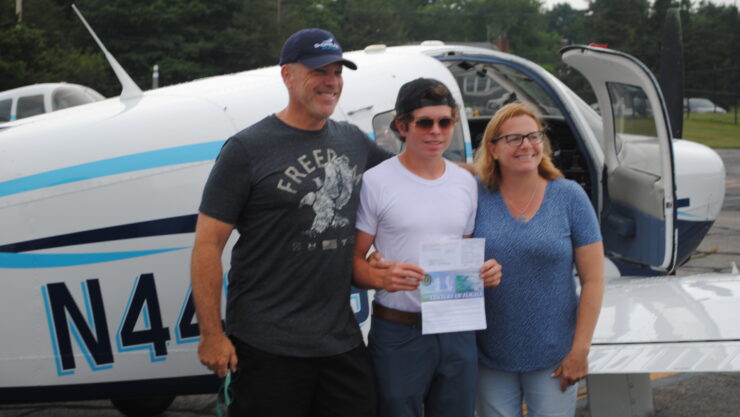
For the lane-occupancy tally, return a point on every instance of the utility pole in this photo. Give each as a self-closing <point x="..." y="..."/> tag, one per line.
<point x="155" y="76"/>
<point x="19" y="11"/>
<point x="277" y="19"/>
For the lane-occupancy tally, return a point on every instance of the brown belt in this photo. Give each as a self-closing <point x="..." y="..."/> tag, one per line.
<point x="391" y="314"/>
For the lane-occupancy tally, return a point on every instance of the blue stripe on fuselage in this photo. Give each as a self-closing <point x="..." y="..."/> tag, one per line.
<point x="119" y="165"/>
<point x="56" y="260"/>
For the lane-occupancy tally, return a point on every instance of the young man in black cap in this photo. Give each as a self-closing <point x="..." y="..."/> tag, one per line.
<point x="288" y="185"/>
<point x="417" y="197"/>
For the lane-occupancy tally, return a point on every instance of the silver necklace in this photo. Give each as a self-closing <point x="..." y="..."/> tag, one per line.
<point x="522" y="217"/>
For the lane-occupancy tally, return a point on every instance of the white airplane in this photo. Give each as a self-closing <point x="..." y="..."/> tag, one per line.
<point x="98" y="206"/>
<point x="35" y="99"/>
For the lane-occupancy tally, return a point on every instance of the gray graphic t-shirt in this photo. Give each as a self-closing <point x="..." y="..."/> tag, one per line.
<point x="292" y="196"/>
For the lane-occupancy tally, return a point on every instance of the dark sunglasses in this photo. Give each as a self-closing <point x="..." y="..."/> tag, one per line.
<point x="427" y="123"/>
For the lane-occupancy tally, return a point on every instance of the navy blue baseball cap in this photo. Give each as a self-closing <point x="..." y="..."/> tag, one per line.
<point x="313" y="48"/>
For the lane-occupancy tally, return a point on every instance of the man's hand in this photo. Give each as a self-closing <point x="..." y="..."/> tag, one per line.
<point x="468" y="167"/>
<point x="394" y="276"/>
<point x="217" y="353"/>
<point x="490" y="273"/>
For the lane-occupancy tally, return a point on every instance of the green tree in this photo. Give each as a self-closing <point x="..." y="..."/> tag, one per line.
<point x="518" y="23"/>
<point x="253" y="39"/>
<point x="185" y="38"/>
<point x="189" y="39"/>
<point x="365" y="22"/>
<point x="39" y="50"/>
<point x="711" y="51"/>
<point x="567" y="23"/>
<point x="623" y="25"/>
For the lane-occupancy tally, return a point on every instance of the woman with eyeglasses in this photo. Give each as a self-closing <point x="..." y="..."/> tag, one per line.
<point x="538" y="225"/>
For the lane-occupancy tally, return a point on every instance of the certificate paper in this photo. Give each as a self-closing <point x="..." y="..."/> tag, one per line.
<point x="452" y="291"/>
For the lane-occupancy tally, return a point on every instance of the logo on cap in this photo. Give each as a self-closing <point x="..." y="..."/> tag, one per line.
<point x="327" y="44"/>
<point x="313" y="48"/>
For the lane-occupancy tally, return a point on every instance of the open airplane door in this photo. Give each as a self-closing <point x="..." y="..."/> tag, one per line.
<point x="639" y="216"/>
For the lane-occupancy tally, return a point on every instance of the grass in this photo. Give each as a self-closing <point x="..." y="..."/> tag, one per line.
<point x="713" y="130"/>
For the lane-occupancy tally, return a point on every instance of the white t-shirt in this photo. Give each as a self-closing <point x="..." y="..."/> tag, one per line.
<point x="403" y="211"/>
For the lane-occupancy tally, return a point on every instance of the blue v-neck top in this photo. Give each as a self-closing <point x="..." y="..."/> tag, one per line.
<point x="531" y="315"/>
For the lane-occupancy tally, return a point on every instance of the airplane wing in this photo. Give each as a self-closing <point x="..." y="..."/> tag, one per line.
<point x="668" y="324"/>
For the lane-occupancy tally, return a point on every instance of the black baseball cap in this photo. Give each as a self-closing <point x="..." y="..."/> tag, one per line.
<point x="416" y="94"/>
<point x="313" y="48"/>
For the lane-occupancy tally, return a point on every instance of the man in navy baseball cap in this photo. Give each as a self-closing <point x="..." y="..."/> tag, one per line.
<point x="311" y="66"/>
<point x="289" y="184"/>
<point x="313" y="48"/>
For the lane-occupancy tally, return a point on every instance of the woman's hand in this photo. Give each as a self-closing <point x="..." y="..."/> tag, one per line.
<point x="490" y="273"/>
<point x="573" y="369"/>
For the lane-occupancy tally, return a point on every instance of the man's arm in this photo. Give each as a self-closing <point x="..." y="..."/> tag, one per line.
<point x="390" y="276"/>
<point x="215" y="349"/>
<point x="468" y="167"/>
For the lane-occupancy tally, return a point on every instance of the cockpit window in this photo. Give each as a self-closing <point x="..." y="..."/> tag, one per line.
<point x="30" y="106"/>
<point x="5" y="110"/>
<point x="635" y="130"/>
<point x="384" y="136"/>
<point x="486" y="87"/>
<point x="64" y="97"/>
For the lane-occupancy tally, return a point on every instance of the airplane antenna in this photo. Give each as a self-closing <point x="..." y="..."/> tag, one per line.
<point x="129" y="88"/>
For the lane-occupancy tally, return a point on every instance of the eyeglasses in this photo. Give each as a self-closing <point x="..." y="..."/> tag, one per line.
<point x="516" y="139"/>
<point x="427" y="123"/>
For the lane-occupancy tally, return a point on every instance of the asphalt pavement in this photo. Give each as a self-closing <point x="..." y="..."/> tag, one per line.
<point x="677" y="395"/>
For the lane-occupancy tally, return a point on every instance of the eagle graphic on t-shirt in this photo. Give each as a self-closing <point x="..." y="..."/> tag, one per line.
<point x="332" y="194"/>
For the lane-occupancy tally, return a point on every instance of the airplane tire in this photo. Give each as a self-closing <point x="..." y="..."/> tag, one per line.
<point x="143" y="407"/>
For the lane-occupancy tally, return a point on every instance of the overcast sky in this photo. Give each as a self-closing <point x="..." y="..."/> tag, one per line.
<point x="583" y="4"/>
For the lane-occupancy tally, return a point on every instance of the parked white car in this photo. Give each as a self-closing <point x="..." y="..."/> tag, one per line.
<point x="31" y="100"/>
<point x="701" y="105"/>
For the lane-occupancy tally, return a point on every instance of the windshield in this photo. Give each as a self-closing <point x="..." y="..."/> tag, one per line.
<point x="64" y="97"/>
<point x="486" y="87"/>
<point x="635" y="129"/>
